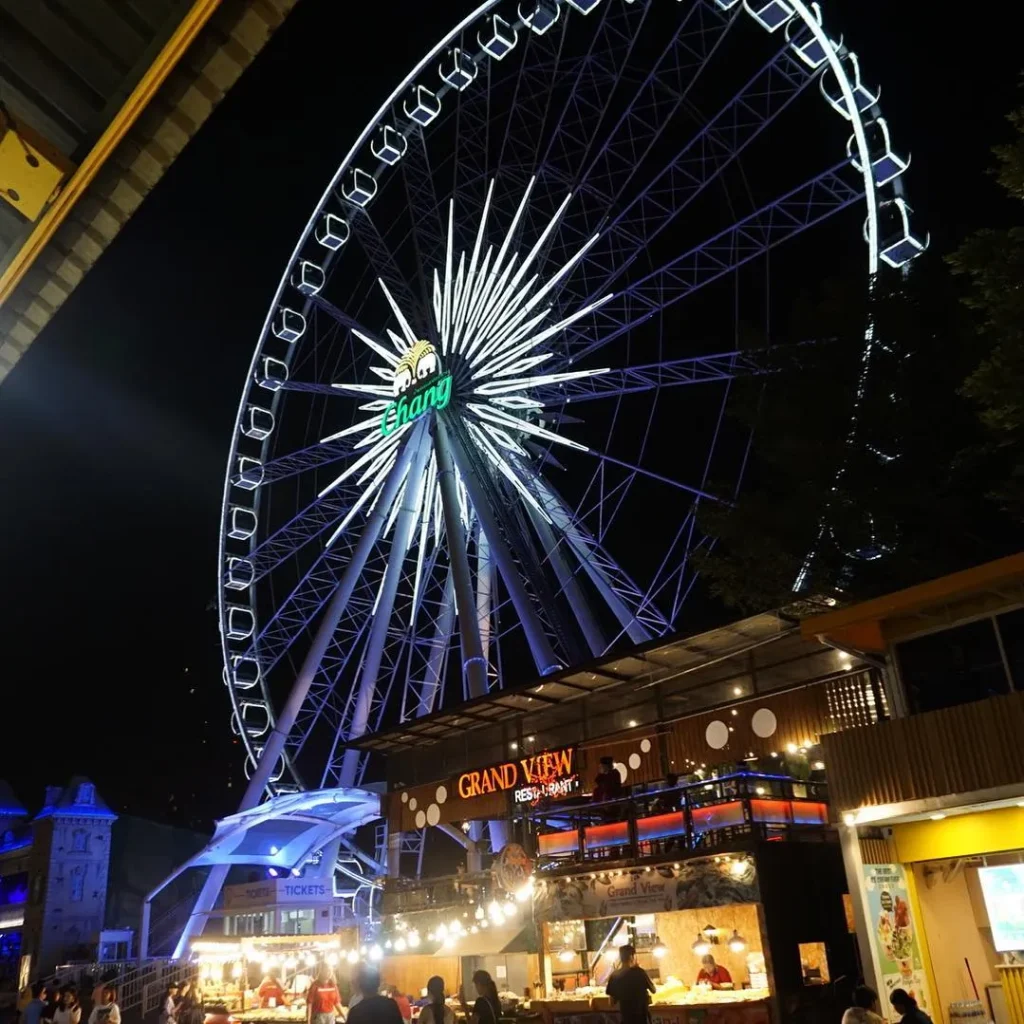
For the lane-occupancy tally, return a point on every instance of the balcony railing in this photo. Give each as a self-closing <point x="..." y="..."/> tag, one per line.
<point x="688" y="818"/>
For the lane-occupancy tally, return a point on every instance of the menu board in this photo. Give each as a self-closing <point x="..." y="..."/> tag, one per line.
<point x="1003" y="887"/>
<point x="894" y="940"/>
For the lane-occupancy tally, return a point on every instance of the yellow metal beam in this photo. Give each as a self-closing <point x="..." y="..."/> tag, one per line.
<point x="156" y="74"/>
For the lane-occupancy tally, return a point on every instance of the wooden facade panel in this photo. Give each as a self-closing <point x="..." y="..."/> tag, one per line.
<point x="801" y="716"/>
<point x="962" y="749"/>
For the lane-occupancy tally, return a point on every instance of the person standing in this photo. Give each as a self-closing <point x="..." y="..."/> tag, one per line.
<point x="373" y="1008"/>
<point x="323" y="1001"/>
<point x="35" y="1009"/>
<point x="167" y="1015"/>
<point x="436" y="1011"/>
<point x="402" y="1002"/>
<point x="906" y="1006"/>
<point x="271" y="993"/>
<point x="631" y="988"/>
<point x="106" y="1011"/>
<point x="70" y="1009"/>
<point x="487" y="1008"/>
<point x="862" y="1008"/>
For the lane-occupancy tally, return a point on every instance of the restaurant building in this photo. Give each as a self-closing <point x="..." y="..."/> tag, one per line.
<point x="930" y="804"/>
<point x="714" y="840"/>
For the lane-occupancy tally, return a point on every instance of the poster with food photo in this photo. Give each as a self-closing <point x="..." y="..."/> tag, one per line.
<point x="894" y="939"/>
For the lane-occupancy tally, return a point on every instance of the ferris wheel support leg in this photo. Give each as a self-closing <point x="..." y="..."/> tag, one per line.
<point x="569" y="584"/>
<point x="274" y="746"/>
<point x="431" y="685"/>
<point x="404" y="525"/>
<point x="562" y="518"/>
<point x="483" y="593"/>
<point x="540" y="648"/>
<point x="474" y="665"/>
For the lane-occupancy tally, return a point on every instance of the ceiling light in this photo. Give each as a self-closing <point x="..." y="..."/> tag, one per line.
<point x="937" y="817"/>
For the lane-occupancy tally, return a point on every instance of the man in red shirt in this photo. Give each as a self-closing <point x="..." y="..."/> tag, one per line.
<point x="713" y="974"/>
<point x="271" y="989"/>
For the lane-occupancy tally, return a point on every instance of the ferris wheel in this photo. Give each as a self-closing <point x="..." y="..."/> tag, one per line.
<point x="489" y="394"/>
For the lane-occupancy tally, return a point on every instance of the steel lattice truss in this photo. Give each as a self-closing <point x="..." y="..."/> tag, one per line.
<point x="563" y="214"/>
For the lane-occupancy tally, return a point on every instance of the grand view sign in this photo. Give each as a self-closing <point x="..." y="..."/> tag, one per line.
<point x="549" y="774"/>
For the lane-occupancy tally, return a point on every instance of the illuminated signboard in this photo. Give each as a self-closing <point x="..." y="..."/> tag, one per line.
<point x="549" y="774"/>
<point x="418" y="385"/>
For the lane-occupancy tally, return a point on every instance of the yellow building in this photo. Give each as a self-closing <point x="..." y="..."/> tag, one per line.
<point x="96" y="101"/>
<point x="931" y="801"/>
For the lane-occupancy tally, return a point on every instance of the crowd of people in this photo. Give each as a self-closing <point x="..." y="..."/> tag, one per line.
<point x="49" y="1003"/>
<point x="366" y="1004"/>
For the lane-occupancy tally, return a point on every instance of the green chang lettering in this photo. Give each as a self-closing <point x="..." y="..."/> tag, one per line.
<point x="397" y="414"/>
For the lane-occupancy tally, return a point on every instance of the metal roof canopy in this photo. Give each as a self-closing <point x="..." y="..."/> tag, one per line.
<point x="767" y="643"/>
<point x="282" y="832"/>
<point x="872" y="625"/>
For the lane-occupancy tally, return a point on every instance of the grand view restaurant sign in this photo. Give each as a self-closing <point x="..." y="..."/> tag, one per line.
<point x="549" y="774"/>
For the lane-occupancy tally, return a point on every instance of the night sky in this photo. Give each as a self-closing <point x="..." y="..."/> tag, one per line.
<point x="114" y="429"/>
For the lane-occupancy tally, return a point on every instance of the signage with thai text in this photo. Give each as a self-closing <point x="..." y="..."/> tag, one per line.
<point x="548" y="774"/>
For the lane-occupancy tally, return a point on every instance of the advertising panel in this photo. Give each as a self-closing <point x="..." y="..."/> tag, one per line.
<point x="895" y="946"/>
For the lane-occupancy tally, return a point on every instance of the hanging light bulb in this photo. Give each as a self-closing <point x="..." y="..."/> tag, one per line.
<point x="736" y="942"/>
<point x="710" y="931"/>
<point x="376" y="952"/>
<point x="701" y="946"/>
<point x="566" y="955"/>
<point x="479" y="913"/>
<point x="352" y="956"/>
<point x="399" y="945"/>
<point x="236" y="971"/>
<point x="414" y="939"/>
<point x="610" y="954"/>
<point x="509" y="910"/>
<point x="660" y="949"/>
<point x="332" y="959"/>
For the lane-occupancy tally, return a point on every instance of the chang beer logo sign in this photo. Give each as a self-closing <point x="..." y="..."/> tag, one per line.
<point x="419" y="385"/>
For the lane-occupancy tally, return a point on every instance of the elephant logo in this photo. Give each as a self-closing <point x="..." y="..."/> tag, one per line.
<point x="417" y="365"/>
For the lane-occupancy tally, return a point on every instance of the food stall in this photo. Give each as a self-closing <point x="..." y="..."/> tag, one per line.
<point x="674" y="915"/>
<point x="230" y="972"/>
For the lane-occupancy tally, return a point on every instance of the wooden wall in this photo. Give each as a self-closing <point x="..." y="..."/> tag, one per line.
<point x="410" y="973"/>
<point x="649" y="752"/>
<point x="962" y="749"/>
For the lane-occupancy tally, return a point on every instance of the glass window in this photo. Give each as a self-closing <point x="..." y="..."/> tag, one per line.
<point x="954" y="666"/>
<point x="1011" y="631"/>
<point x="297" y="922"/>
<point x="79" y="840"/>
<point x="814" y="963"/>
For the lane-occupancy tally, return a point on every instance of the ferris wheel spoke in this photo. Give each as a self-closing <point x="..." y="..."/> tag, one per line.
<point x="419" y="447"/>
<point x="317" y="517"/>
<point x="385" y="266"/>
<point x="638" y="617"/>
<point x="568" y="583"/>
<point x="540" y="646"/>
<point x="424" y="682"/>
<point x="474" y="665"/>
<point x="428" y="231"/>
<point x="650" y="377"/>
<point x="808" y="204"/>
<point x="594" y="84"/>
<point x="667" y="85"/>
<point x="686" y="177"/>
